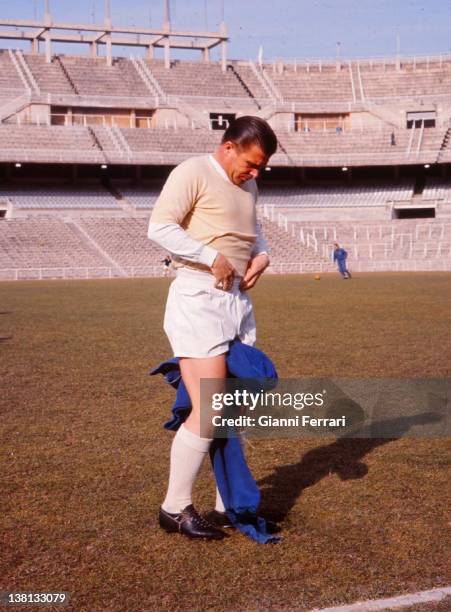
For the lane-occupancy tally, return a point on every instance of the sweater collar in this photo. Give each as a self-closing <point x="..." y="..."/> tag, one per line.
<point x="217" y="166"/>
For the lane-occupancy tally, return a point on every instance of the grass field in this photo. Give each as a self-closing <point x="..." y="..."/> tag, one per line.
<point x="85" y="460"/>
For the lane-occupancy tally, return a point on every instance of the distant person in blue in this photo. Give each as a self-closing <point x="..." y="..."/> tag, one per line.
<point x="340" y="256"/>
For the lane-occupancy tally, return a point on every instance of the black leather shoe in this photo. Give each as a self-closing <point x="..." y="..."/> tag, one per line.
<point x="220" y="519"/>
<point x="190" y="523"/>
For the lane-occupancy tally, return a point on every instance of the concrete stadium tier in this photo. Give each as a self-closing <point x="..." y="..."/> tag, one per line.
<point x="105" y="246"/>
<point x="364" y="145"/>
<point x="360" y="112"/>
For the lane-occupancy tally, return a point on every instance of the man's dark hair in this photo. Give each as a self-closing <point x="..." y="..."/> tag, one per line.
<point x="247" y="131"/>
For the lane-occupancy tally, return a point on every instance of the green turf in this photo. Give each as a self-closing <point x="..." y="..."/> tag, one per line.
<point x="84" y="458"/>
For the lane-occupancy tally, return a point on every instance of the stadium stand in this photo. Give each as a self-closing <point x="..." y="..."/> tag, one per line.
<point x="49" y="77"/>
<point x="408" y="245"/>
<point x="9" y="76"/>
<point x="312" y="86"/>
<point x="348" y="82"/>
<point x="288" y="254"/>
<point x="125" y="241"/>
<point x="137" y="118"/>
<point x="199" y="80"/>
<point x="91" y="77"/>
<point x="437" y="189"/>
<point x="168" y="141"/>
<point x="335" y="196"/>
<point x="411" y="81"/>
<point x="362" y="148"/>
<point x="31" y="246"/>
<point x="48" y="144"/>
<point x="60" y="199"/>
<point x="97" y="144"/>
<point x="141" y="198"/>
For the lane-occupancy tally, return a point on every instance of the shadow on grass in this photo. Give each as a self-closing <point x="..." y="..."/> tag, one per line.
<point x="283" y="487"/>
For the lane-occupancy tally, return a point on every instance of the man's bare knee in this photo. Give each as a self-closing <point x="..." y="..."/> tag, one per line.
<point x="193" y="370"/>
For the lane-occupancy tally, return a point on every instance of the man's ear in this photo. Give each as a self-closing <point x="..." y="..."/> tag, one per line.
<point x="229" y="146"/>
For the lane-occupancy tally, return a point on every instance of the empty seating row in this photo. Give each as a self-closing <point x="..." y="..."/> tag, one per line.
<point x="93" y="77"/>
<point x="364" y="195"/>
<point x="45" y="143"/>
<point x="370" y="80"/>
<point x="125" y="241"/>
<point x="141" y="198"/>
<point x="437" y="189"/>
<point x="304" y="83"/>
<point x="200" y="79"/>
<point x="122" y="244"/>
<point x="96" y="199"/>
<point x="49" y="77"/>
<point x="100" y="144"/>
<point x="36" y="243"/>
<point x="9" y="77"/>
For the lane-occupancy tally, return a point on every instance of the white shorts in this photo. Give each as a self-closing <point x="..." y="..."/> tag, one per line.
<point x="201" y="321"/>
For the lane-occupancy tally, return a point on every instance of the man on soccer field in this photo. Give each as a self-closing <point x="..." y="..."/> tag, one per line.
<point x="340" y="256"/>
<point x="205" y="217"/>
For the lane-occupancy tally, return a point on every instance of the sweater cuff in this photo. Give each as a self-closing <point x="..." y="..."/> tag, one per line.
<point x="207" y="256"/>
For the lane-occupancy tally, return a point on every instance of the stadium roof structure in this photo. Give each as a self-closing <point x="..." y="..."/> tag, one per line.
<point x="36" y="31"/>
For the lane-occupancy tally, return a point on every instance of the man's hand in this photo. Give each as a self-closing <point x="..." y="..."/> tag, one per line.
<point x="223" y="272"/>
<point x="256" y="266"/>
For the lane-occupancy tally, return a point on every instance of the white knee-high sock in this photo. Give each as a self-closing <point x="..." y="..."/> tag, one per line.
<point x="187" y="454"/>
<point x="219" y="506"/>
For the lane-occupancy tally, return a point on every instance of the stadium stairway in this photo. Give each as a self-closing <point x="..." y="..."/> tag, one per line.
<point x="121" y="200"/>
<point x="289" y="254"/>
<point x="244" y="85"/>
<point x="92" y="246"/>
<point x="444" y="145"/>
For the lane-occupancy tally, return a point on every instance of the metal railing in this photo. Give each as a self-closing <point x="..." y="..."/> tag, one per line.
<point x="305" y="237"/>
<point x="12" y="106"/>
<point x="309" y="267"/>
<point x="65" y="273"/>
<point x="376" y="60"/>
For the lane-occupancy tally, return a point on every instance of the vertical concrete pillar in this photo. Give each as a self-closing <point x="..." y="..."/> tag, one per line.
<point x="47" y="35"/>
<point x="223" y="32"/>
<point x="108" y="25"/>
<point x="109" y="49"/>
<point x="224" y="56"/>
<point x="48" y="47"/>
<point x="167" y="53"/>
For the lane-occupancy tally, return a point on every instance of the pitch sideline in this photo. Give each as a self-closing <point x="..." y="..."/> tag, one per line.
<point x="401" y="601"/>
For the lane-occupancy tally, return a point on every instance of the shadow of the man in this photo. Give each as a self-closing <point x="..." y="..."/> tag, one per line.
<point x="343" y="457"/>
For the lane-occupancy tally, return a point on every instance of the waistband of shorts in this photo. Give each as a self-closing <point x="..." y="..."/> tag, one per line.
<point x="203" y="279"/>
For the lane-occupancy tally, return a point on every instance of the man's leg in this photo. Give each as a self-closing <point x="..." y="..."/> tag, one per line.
<point x="189" y="449"/>
<point x="193" y="370"/>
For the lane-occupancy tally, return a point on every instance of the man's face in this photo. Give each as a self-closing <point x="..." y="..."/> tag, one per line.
<point x="243" y="164"/>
